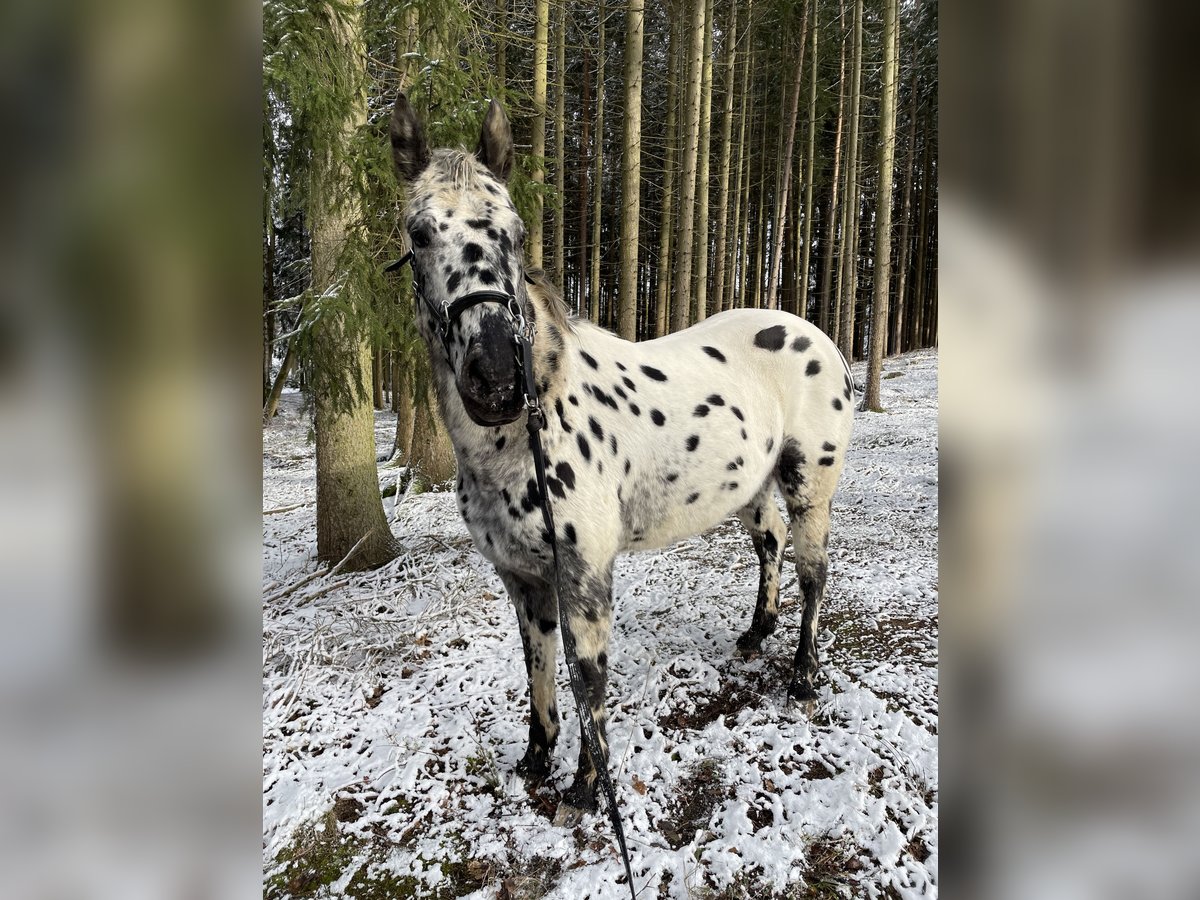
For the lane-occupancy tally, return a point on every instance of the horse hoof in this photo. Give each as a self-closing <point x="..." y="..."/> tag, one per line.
<point x="800" y="691"/>
<point x="534" y="767"/>
<point x="749" y="646"/>
<point x="568" y="816"/>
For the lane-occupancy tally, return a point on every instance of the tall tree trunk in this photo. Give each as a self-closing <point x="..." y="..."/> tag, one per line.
<point x="852" y="220"/>
<point x="432" y="454"/>
<point x="919" y="296"/>
<point x="269" y="297"/>
<point x="665" y="231"/>
<point x="585" y="143"/>
<point x="598" y="178"/>
<point x="394" y="369"/>
<point x="722" y="267"/>
<point x="736" y="276"/>
<point x="785" y="168"/>
<point x="758" y="269"/>
<point x="538" y="150"/>
<point x="897" y="332"/>
<point x="560" y="145"/>
<point x="349" y="507"/>
<point x="501" y="44"/>
<point x="831" y="243"/>
<point x="701" y="252"/>
<point x="746" y="257"/>
<point x="402" y="443"/>
<point x="631" y="172"/>
<point x="883" y="208"/>
<point x="377" y="373"/>
<point x="806" y="246"/>
<point x="682" y="301"/>
<point x="285" y="369"/>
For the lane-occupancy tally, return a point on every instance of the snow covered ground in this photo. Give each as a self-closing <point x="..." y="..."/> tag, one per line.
<point x="394" y="705"/>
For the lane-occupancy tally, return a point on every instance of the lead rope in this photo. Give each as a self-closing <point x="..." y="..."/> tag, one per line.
<point x="534" y="424"/>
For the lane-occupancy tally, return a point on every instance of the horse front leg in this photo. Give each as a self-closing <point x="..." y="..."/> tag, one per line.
<point x="588" y="606"/>
<point x="537" y="617"/>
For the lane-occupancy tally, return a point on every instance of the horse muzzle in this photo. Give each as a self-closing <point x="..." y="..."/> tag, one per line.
<point x="488" y="378"/>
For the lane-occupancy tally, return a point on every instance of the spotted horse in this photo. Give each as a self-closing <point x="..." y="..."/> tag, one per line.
<point x="645" y="443"/>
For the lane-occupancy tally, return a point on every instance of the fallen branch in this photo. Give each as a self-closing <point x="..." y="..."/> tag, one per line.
<point x="283" y="509"/>
<point x="279" y="595"/>
<point x="320" y="592"/>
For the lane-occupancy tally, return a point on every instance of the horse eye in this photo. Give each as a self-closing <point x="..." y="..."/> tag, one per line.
<point x="422" y="236"/>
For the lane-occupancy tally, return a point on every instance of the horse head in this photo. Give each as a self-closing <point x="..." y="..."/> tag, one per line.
<point x="468" y="266"/>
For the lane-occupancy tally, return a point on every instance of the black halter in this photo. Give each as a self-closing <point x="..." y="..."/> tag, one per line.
<point x="444" y="318"/>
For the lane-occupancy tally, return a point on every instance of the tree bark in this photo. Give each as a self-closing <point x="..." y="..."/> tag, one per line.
<point x="736" y="277"/>
<point x="806" y="246"/>
<point x="785" y="168"/>
<point x="598" y="179"/>
<point x="883" y="208"/>
<point x="852" y="212"/>
<point x="897" y="332"/>
<point x="432" y="455"/>
<point x="538" y="150"/>
<point x="701" y="252"/>
<point x="560" y="145"/>
<point x="682" y="302"/>
<point x="721" y="268"/>
<point x="828" y="303"/>
<point x="665" y="231"/>
<point x="585" y="143"/>
<point x="631" y="172"/>
<point x="348" y="502"/>
<point x="502" y="44"/>
<point x="285" y="369"/>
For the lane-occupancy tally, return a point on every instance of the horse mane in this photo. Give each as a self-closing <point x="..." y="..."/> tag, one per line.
<point x="461" y="167"/>
<point x="547" y="298"/>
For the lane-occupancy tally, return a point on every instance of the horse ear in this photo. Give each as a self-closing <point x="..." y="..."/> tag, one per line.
<point x="496" y="142"/>
<point x="410" y="152"/>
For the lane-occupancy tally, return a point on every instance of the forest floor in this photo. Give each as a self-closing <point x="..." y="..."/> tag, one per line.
<point x="394" y="703"/>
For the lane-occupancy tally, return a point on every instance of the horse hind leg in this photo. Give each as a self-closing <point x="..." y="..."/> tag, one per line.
<point x="810" y="539"/>
<point x="762" y="519"/>
<point x="808" y="490"/>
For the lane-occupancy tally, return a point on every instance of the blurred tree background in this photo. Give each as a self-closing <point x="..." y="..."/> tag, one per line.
<point x="674" y="159"/>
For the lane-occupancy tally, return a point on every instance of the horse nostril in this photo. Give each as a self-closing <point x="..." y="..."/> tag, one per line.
<point x="475" y="371"/>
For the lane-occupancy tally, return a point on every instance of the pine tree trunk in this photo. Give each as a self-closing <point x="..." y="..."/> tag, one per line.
<point x="919" y="296"/>
<point x="377" y="374"/>
<point x="394" y="386"/>
<point x="806" y="246"/>
<point x="560" y="145"/>
<point x="665" y="231"/>
<point x="758" y="270"/>
<point x="701" y="252"/>
<point x="631" y="172"/>
<point x="897" y="331"/>
<point x="285" y="369"/>
<point x="734" y="254"/>
<point x="432" y="455"/>
<point x="501" y="44"/>
<point x="585" y="143"/>
<point x="852" y="215"/>
<point x="269" y="297"/>
<point x="883" y="208"/>
<point x="828" y="317"/>
<point x="538" y="150"/>
<point x="682" y="302"/>
<point x="598" y="179"/>
<point x="785" y="168"/>
<point x="349" y="507"/>
<point x="721" y="268"/>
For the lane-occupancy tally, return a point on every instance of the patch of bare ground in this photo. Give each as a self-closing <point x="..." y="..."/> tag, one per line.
<point x="695" y="799"/>
<point x="742" y="686"/>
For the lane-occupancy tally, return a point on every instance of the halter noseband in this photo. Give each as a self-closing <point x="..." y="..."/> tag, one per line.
<point x="447" y="315"/>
